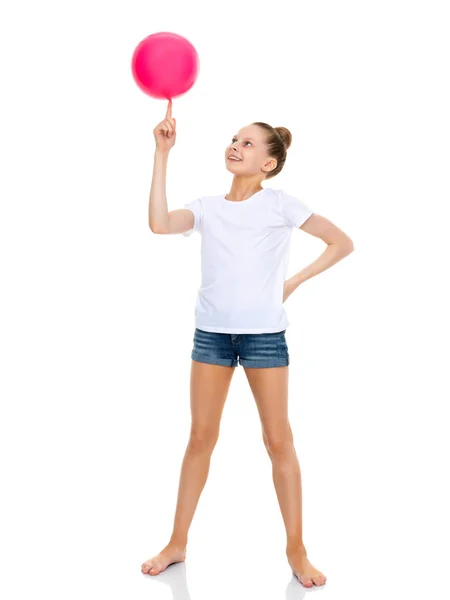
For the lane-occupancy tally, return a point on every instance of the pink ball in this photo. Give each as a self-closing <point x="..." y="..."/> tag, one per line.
<point x="165" y="65"/>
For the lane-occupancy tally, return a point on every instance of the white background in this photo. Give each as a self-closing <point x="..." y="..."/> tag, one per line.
<point x="97" y="312"/>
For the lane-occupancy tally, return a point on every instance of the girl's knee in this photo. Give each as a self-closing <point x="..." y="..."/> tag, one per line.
<point x="279" y="443"/>
<point x="202" y="441"/>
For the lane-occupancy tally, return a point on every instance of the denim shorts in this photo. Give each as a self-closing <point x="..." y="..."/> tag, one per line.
<point x="250" y="349"/>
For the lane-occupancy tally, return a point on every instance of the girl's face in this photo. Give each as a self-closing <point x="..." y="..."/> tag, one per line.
<point x="249" y="146"/>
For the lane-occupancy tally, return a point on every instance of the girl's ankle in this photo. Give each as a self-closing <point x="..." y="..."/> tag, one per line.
<point x="295" y="546"/>
<point x="179" y="543"/>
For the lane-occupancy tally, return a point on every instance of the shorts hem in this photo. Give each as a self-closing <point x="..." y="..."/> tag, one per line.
<point x="225" y="362"/>
<point x="264" y="364"/>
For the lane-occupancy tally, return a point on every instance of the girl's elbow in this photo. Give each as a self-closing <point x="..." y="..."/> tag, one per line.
<point x="156" y="229"/>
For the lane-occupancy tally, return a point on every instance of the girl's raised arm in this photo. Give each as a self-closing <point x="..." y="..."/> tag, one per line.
<point x="165" y="137"/>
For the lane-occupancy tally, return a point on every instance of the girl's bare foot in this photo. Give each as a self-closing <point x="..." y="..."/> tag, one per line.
<point x="172" y="553"/>
<point x="306" y="573"/>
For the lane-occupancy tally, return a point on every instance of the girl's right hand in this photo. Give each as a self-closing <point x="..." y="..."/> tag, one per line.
<point x="165" y="132"/>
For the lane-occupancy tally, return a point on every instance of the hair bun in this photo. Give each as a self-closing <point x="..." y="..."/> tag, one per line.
<point x="285" y="135"/>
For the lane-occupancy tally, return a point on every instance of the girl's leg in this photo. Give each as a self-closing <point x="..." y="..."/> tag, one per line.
<point x="209" y="387"/>
<point x="270" y="390"/>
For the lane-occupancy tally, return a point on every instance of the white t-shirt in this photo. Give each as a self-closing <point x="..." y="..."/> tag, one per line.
<point x="244" y="259"/>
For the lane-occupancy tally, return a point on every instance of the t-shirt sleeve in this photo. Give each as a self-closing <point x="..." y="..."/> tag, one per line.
<point x="196" y="207"/>
<point x="294" y="211"/>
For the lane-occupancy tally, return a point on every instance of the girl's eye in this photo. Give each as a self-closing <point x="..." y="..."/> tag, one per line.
<point x="235" y="139"/>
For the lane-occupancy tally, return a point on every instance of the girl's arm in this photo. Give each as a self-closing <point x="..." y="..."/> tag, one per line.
<point x="338" y="243"/>
<point x="158" y="215"/>
<point x="160" y="220"/>
<point x="165" y="137"/>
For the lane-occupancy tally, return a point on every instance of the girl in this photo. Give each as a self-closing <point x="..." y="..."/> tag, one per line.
<point x="240" y="318"/>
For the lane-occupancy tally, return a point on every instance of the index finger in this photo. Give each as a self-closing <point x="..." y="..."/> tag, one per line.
<point x="169" y="109"/>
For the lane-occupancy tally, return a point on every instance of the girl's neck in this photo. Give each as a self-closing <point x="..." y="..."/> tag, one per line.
<point x="241" y="190"/>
